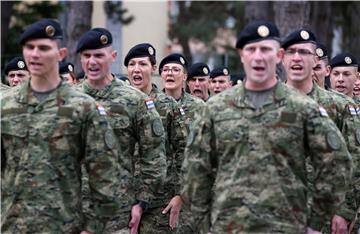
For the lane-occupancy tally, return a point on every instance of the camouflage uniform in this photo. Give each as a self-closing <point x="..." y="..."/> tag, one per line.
<point x="357" y="99"/>
<point x="172" y="118"/>
<point x="4" y="87"/>
<point x="133" y="123"/>
<point x="339" y="107"/>
<point x="191" y="106"/>
<point x="267" y="194"/>
<point x="44" y="143"/>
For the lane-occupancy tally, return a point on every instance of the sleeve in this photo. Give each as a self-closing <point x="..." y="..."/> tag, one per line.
<point x="101" y="163"/>
<point x="332" y="164"/>
<point x="351" y="133"/>
<point x="152" y="159"/>
<point x="198" y="173"/>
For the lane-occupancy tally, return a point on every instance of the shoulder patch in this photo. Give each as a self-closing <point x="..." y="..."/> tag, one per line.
<point x="157" y="127"/>
<point x="323" y="112"/>
<point x="101" y="109"/>
<point x="149" y="103"/>
<point x="333" y="140"/>
<point x="357" y="135"/>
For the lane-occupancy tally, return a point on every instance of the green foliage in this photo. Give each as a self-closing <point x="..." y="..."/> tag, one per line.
<point x="25" y="13"/>
<point x="116" y="9"/>
<point x="200" y="20"/>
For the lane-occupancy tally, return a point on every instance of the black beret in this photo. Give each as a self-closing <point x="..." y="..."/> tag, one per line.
<point x="344" y="60"/>
<point x="256" y="31"/>
<point x="321" y="51"/>
<point x="173" y="58"/>
<point x="95" y="38"/>
<point x="45" y="28"/>
<point x="219" y="71"/>
<point x="198" y="69"/>
<point x="298" y="36"/>
<point x="140" y="50"/>
<point x="66" y="67"/>
<point x="15" y="64"/>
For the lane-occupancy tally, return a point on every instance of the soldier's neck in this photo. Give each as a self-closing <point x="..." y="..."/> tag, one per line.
<point x="175" y="93"/>
<point x="304" y="86"/>
<point x="101" y="83"/>
<point x="44" y="83"/>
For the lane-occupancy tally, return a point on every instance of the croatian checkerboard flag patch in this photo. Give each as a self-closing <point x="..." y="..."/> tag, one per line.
<point x="101" y="109"/>
<point x="149" y="103"/>
<point x="352" y="110"/>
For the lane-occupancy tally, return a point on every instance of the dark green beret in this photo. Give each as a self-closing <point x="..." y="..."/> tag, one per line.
<point x="95" y="38"/>
<point x="140" y="50"/>
<point x="344" y="60"/>
<point x="219" y="71"/>
<point x="256" y="31"/>
<point x="198" y="69"/>
<point x="298" y="36"/>
<point x="45" y="28"/>
<point x="173" y="58"/>
<point x="66" y="67"/>
<point x="15" y="64"/>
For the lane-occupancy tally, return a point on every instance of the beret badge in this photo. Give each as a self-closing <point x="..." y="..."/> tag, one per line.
<point x="205" y="70"/>
<point x="104" y="39"/>
<point x="21" y="64"/>
<point x="151" y="50"/>
<point x="50" y="31"/>
<point x="319" y="52"/>
<point x="182" y="61"/>
<point x="304" y="35"/>
<point x="263" y="31"/>
<point x="347" y="60"/>
<point x="226" y="72"/>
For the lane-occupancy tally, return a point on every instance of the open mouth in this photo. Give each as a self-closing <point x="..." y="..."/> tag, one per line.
<point x="296" y="67"/>
<point x="259" y="68"/>
<point x="170" y="80"/>
<point x="340" y="88"/>
<point x="137" y="79"/>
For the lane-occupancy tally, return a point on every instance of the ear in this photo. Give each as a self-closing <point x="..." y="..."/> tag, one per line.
<point x="153" y="69"/>
<point x="185" y="77"/>
<point x="280" y="55"/>
<point x="62" y="53"/>
<point x="240" y="51"/>
<point x="114" y="55"/>
<point x="328" y="69"/>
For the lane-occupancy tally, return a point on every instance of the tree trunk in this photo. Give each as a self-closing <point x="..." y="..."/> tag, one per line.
<point x="322" y="23"/>
<point x="6" y="10"/>
<point x="78" y="18"/>
<point x="257" y="11"/>
<point x="290" y="16"/>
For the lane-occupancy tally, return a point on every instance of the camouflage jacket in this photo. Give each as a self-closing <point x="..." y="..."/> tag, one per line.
<point x="357" y="99"/>
<point x="351" y="132"/>
<point x="190" y="105"/>
<point x="136" y="125"/>
<point x="245" y="167"/>
<point x="173" y="122"/>
<point x="43" y="144"/>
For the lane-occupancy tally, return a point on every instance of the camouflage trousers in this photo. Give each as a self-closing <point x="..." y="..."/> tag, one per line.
<point x="154" y="222"/>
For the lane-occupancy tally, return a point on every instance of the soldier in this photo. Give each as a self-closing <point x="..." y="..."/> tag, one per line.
<point x="16" y="71"/>
<point x="344" y="71"/>
<point x="173" y="71"/>
<point x="140" y="62"/>
<point x="47" y="128"/>
<point x="322" y="68"/>
<point x="134" y="123"/>
<point x="219" y="80"/>
<point x="198" y="80"/>
<point x="66" y="70"/>
<point x="245" y="156"/>
<point x="299" y="60"/>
